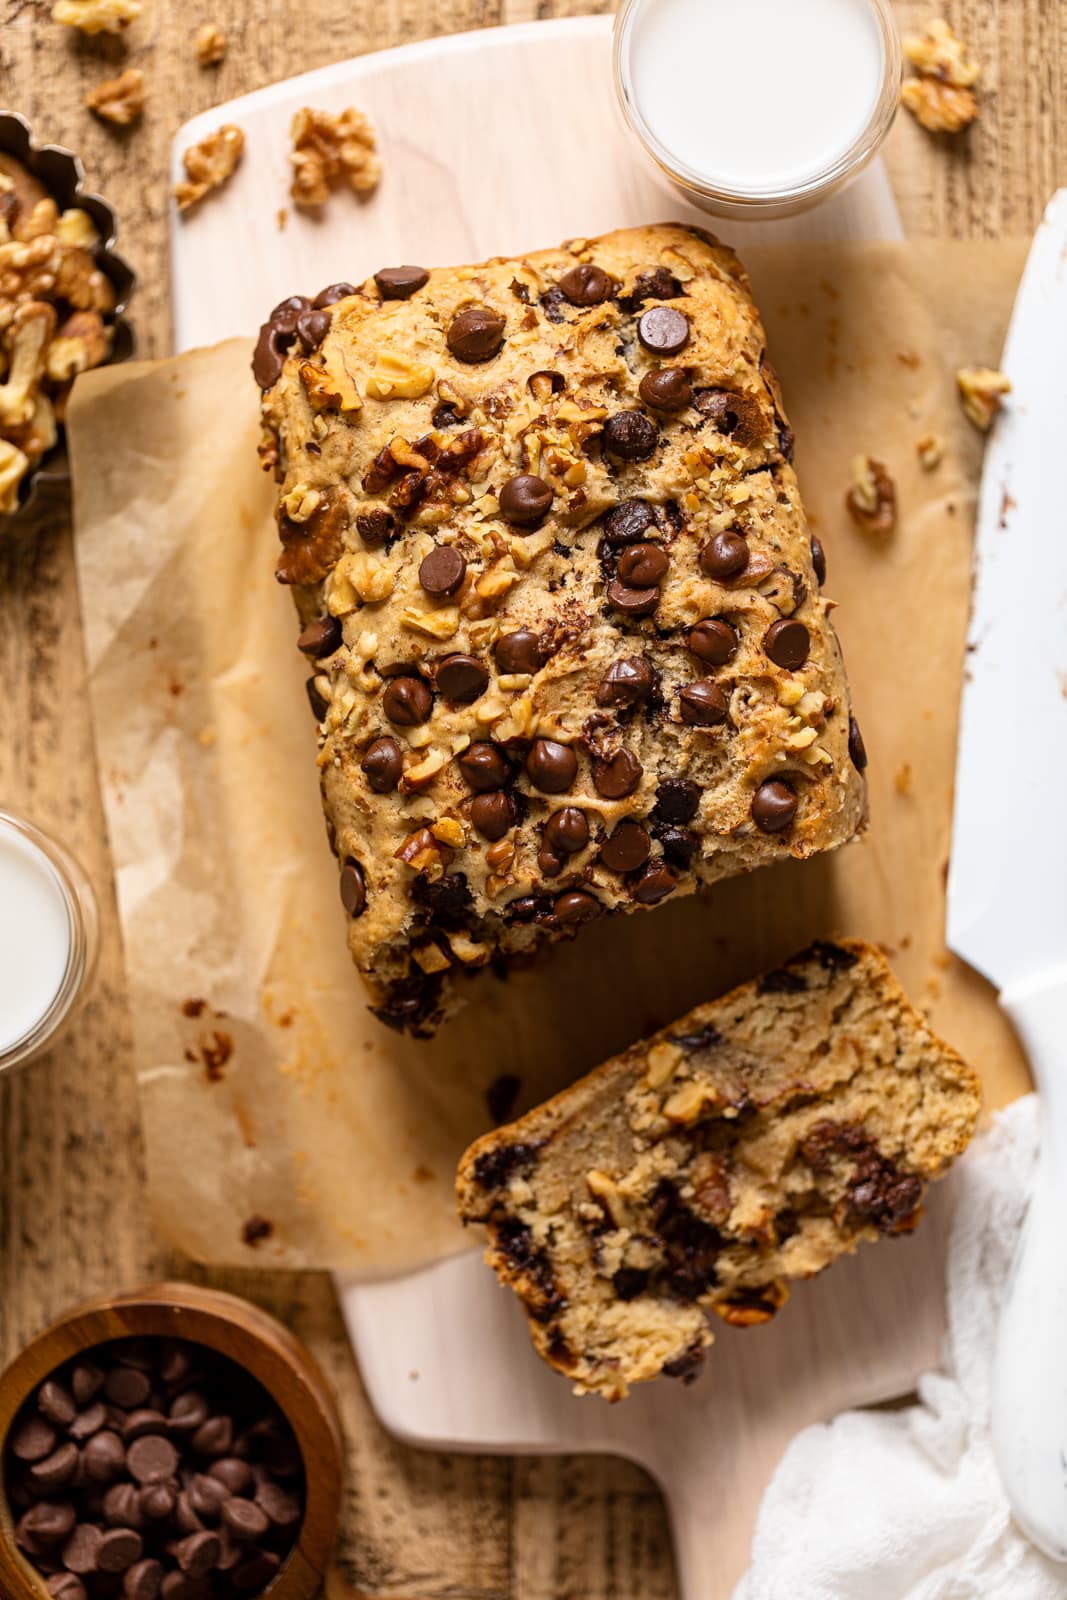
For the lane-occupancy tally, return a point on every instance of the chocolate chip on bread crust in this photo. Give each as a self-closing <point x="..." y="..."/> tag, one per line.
<point x="755" y="1140"/>
<point x="549" y="503"/>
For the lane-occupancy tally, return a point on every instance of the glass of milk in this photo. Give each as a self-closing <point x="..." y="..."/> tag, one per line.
<point x="758" y="108"/>
<point x="48" y="939"/>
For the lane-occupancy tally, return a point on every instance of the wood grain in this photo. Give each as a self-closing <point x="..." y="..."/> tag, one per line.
<point x="72" y="1214"/>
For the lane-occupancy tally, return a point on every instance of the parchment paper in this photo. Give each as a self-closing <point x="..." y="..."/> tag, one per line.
<point x="284" y="1125"/>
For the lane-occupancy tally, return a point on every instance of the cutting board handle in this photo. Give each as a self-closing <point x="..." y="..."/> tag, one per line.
<point x="1029" y="1395"/>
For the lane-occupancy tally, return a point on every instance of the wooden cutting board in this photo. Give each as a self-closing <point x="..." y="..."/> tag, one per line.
<point x="494" y="142"/>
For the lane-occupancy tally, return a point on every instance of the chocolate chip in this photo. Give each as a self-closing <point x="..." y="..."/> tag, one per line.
<point x="157" y="1500"/>
<point x="332" y="293"/>
<point x="677" y="800"/>
<point x="818" y="559"/>
<point x="634" y="602"/>
<point x="127" y="1387"/>
<point x="152" y="1459"/>
<point x="628" y="522"/>
<point x="65" y="1586"/>
<point x="575" y="906"/>
<point x="281" y="1507"/>
<point x="353" y="887"/>
<point x="122" y="1506"/>
<point x="476" y="334"/>
<point x="626" y="849"/>
<point x="33" y="1440"/>
<point x="233" y="1473"/>
<point x="198" y="1553"/>
<point x="519" y="652"/>
<point x="48" y="1522"/>
<point x="400" y="283"/>
<point x="55" y="1403"/>
<point x="856" y="747"/>
<point x="643" y="566"/>
<point x="312" y="328"/>
<point x="320" y="638"/>
<point x="382" y="764"/>
<point x="275" y="337"/>
<point x="630" y="436"/>
<point x="668" y="389"/>
<point x="442" y="571"/>
<point x="118" y="1549"/>
<point x="143" y="1581"/>
<point x="566" y="831"/>
<point x="316" y="700"/>
<point x="186" y="1518"/>
<point x="663" y="330"/>
<point x="79" y="1552"/>
<point x="525" y="500"/>
<point x="187" y="1412"/>
<point x="104" y="1458"/>
<point x="787" y="643"/>
<point x="774" y="805"/>
<point x="713" y="641"/>
<point x="702" y="704"/>
<point x="244" y="1520"/>
<point x="461" y="678"/>
<point x="57" y="1469"/>
<point x="655" y="884"/>
<point x="655" y="283"/>
<point x="724" y="555"/>
<point x="86" y="1382"/>
<point x="484" y="766"/>
<point x="616" y="776"/>
<point x="679" y="846"/>
<point x="627" y="682"/>
<point x="253" y="1575"/>
<point x="407" y="702"/>
<point x="495" y="813"/>
<point x="585" y="285"/>
<point x="738" y="416"/>
<point x="550" y="766"/>
<point x="138" y="1423"/>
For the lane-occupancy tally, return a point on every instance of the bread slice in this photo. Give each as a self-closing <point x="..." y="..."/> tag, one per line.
<point x="754" y="1141"/>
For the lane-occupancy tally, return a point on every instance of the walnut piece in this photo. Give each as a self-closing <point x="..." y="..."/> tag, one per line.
<point x="942" y="97"/>
<point x="982" y="392"/>
<point x="119" y="100"/>
<point x="938" y="53"/>
<point x="872" y="499"/>
<point x="14" y="464"/>
<point x="331" y="149"/>
<point x="211" y="44"/>
<point x="209" y="164"/>
<point x="931" y="451"/>
<point x="96" y="16"/>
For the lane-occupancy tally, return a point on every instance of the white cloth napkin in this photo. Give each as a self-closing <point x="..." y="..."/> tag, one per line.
<point x="907" y="1505"/>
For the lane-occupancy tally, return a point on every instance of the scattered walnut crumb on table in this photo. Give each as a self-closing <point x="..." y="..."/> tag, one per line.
<point x="329" y="150"/>
<point x="211" y="43"/>
<point x="982" y="391"/>
<point x="120" y="100"/>
<point x="872" y="499"/>
<point x="941" y="97"/>
<point x="96" y="16"/>
<point x="209" y="164"/>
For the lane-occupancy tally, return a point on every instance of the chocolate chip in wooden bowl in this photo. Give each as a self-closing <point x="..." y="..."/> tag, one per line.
<point x="630" y="436"/>
<point x="475" y="334"/>
<point x="667" y="389"/>
<point x="442" y="571"/>
<point x="702" y="704"/>
<point x="525" y="500"/>
<point x="400" y="283"/>
<point x="627" y="682"/>
<point x="714" y="641"/>
<point x="519" y="652"/>
<point x="407" y="701"/>
<point x="774" y="805"/>
<point x="586" y="284"/>
<point x="382" y="764"/>
<point x="618" y="775"/>
<point x="787" y="643"/>
<point x="461" y="679"/>
<point x="724" y="555"/>
<point x="663" y="330"/>
<point x="550" y="766"/>
<point x="320" y="638"/>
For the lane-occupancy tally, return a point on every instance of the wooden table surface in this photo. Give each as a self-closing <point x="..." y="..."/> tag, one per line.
<point x="73" y="1218"/>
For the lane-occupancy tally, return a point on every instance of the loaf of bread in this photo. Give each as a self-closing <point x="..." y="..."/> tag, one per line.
<point x="754" y="1141"/>
<point x="569" y="651"/>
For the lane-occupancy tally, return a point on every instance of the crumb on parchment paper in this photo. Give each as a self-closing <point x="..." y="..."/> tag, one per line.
<point x="982" y="391"/>
<point x="872" y="498"/>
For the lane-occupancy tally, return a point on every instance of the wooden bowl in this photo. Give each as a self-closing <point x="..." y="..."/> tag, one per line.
<point x="233" y="1328"/>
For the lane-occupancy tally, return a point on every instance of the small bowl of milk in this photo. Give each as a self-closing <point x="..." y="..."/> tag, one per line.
<point x="758" y="108"/>
<point x="48" y="939"/>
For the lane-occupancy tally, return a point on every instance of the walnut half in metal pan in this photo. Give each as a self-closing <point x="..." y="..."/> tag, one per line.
<point x="43" y="488"/>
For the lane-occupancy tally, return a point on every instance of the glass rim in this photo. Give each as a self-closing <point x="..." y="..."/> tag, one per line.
<point x="844" y="166"/>
<point x="80" y="907"/>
